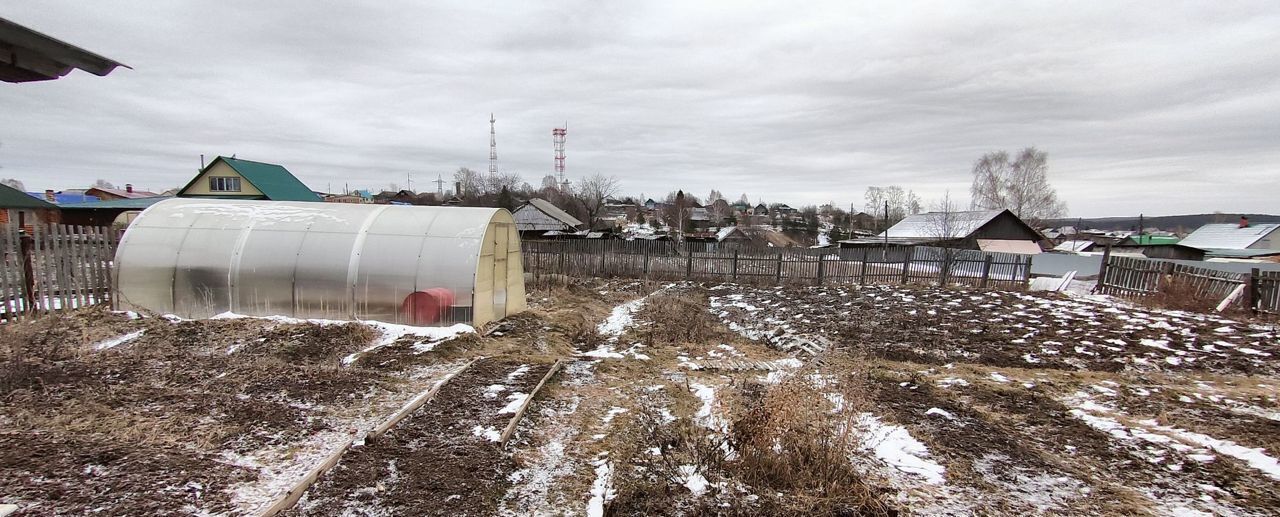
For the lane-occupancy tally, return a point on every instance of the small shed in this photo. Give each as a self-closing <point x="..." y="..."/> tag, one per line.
<point x="16" y="207"/>
<point x="414" y="265"/>
<point x="986" y="230"/>
<point x="539" y="216"/>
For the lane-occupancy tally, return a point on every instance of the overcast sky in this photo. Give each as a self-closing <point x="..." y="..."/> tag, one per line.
<point x="1154" y="107"/>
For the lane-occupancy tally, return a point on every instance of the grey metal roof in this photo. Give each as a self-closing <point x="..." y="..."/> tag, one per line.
<point x="1239" y="254"/>
<point x="547" y="217"/>
<point x="33" y="56"/>
<point x="1074" y="246"/>
<point x="1228" y="236"/>
<point x="928" y="225"/>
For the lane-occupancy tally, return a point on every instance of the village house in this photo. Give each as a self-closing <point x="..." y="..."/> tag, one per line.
<point x="986" y="230"/>
<point x="539" y="217"/>
<point x="234" y="178"/>
<point x="18" y="207"/>
<point x="1241" y="241"/>
<point x="128" y="192"/>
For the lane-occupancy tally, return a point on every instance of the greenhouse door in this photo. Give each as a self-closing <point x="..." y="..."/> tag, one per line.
<point x="501" y="245"/>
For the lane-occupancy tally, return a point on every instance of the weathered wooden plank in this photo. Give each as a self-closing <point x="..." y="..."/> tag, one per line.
<point x="515" y="420"/>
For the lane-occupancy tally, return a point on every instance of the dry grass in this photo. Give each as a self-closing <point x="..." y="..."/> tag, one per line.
<point x="679" y="318"/>
<point x="792" y="440"/>
<point x="1178" y="293"/>
<point x="792" y="447"/>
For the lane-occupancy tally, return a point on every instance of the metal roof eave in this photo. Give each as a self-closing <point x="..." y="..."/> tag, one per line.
<point x="42" y="57"/>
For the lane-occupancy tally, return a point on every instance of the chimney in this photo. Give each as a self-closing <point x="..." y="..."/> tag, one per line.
<point x="457" y="189"/>
<point x="128" y="187"/>
<point x="1244" y="222"/>
<point x="48" y="195"/>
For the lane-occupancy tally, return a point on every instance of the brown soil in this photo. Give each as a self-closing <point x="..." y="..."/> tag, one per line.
<point x="432" y="463"/>
<point x="73" y="475"/>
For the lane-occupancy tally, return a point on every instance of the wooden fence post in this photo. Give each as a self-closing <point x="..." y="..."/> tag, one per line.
<point x="820" y="266"/>
<point x="945" y="267"/>
<point x="862" y="277"/>
<point x="779" y="275"/>
<point x="906" y="264"/>
<point x="1102" y="271"/>
<point x="688" y="265"/>
<point x="28" y="271"/>
<point x="646" y="261"/>
<point x="986" y="271"/>
<point x="603" y="253"/>
<point x="1253" y="291"/>
<point x="735" y="265"/>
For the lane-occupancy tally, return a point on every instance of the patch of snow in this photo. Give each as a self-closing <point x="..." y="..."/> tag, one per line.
<point x="940" y="412"/>
<point x="1256" y="458"/>
<point x="613" y="412"/>
<point x="117" y="341"/>
<point x="896" y="447"/>
<point x="516" y="399"/>
<point x="693" y="480"/>
<point x="601" y="489"/>
<point x="391" y="332"/>
<point x="488" y="433"/>
<point x="996" y="376"/>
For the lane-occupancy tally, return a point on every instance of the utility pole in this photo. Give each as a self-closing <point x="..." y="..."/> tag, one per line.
<point x="439" y="186"/>
<point x="493" y="146"/>
<point x="886" y="224"/>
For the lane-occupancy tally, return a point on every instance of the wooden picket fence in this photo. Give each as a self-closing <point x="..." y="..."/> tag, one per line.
<point x="1136" y="277"/>
<point x="53" y="268"/>
<point x="667" y="260"/>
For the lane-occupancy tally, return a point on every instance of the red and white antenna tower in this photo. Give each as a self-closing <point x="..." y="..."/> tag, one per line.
<point x="557" y="141"/>
<point x="493" y="146"/>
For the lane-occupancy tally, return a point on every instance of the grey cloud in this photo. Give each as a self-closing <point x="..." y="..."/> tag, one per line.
<point x="1143" y="107"/>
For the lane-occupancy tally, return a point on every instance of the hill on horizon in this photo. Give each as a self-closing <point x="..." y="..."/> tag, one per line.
<point x="1186" y="223"/>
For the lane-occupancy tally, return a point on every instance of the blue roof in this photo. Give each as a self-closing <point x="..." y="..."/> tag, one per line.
<point x="138" y="203"/>
<point x="62" y="199"/>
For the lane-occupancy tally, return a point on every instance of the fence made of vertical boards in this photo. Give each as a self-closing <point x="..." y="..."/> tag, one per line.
<point x="55" y="267"/>
<point x="1136" y="276"/>
<point x="667" y="260"/>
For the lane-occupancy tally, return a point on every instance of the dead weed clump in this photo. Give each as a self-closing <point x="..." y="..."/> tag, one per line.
<point x="678" y="318"/>
<point x="1180" y="294"/>
<point x="793" y="449"/>
<point x="36" y="354"/>
<point x="655" y="460"/>
<point x="799" y="440"/>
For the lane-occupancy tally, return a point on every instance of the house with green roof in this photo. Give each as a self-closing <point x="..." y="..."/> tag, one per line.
<point x="18" y="207"/>
<point x="233" y="178"/>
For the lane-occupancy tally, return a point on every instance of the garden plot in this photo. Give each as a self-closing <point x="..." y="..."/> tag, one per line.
<point x="128" y="415"/>
<point x="1046" y="404"/>
<point x="443" y="459"/>
<point x="927" y="401"/>
<point x="999" y="328"/>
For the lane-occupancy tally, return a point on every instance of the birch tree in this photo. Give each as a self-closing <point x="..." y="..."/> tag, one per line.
<point x="1021" y="185"/>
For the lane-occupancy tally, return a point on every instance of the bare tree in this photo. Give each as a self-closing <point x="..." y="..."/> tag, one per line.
<point x="494" y="183"/>
<point x="549" y="183"/>
<point x="14" y="184"/>
<point x="942" y="219"/>
<point x="676" y="210"/>
<point x="744" y="199"/>
<point x="470" y="180"/>
<point x="592" y="192"/>
<point x="901" y="202"/>
<point x="101" y="183"/>
<point x="1022" y="186"/>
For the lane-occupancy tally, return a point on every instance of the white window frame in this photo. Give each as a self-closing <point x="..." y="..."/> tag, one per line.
<point x="224" y="184"/>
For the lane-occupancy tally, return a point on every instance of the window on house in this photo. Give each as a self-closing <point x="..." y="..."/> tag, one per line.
<point x="224" y="184"/>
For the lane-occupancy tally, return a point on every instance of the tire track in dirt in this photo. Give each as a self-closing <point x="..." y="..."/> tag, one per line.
<point x="443" y="459"/>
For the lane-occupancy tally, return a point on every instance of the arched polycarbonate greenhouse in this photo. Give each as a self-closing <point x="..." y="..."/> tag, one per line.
<point x="404" y="264"/>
